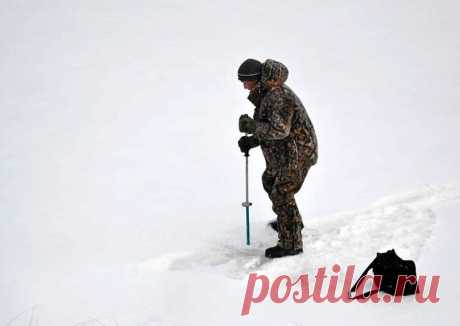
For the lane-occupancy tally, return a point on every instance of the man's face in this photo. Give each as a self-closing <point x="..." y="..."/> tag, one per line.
<point x="250" y="84"/>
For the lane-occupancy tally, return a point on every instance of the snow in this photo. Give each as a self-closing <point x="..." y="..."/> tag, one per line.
<point x="404" y="221"/>
<point x="121" y="181"/>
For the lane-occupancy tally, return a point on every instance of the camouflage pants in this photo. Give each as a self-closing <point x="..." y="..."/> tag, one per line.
<point x="281" y="187"/>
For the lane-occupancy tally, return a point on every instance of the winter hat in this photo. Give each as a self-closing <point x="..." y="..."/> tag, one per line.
<point x="250" y="69"/>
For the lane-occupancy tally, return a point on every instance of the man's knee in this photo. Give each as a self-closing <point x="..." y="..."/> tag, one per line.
<point x="268" y="182"/>
<point x="290" y="182"/>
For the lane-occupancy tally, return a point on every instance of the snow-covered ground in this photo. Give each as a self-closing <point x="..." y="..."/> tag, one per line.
<point x="121" y="182"/>
<point x="406" y="222"/>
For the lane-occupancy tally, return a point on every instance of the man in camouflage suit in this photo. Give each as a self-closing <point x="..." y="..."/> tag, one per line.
<point x="287" y="138"/>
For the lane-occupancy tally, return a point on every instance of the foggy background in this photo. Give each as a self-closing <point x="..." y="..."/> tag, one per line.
<point x="118" y="129"/>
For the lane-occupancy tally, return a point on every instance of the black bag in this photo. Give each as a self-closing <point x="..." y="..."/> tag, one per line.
<point x="389" y="265"/>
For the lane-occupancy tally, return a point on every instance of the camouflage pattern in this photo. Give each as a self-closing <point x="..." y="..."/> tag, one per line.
<point x="288" y="142"/>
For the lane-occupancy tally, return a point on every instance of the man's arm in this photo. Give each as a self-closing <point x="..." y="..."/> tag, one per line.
<point x="277" y="124"/>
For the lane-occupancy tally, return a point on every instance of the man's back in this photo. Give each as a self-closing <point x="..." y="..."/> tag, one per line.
<point x="285" y="132"/>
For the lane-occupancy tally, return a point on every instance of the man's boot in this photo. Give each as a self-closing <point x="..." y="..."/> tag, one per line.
<point x="277" y="252"/>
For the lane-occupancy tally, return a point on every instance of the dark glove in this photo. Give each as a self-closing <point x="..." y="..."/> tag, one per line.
<point x="247" y="142"/>
<point x="247" y="124"/>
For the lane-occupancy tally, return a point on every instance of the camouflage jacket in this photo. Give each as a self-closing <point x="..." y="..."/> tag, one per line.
<point x="283" y="128"/>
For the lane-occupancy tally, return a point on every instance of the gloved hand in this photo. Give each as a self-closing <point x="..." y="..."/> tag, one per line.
<point x="247" y="124"/>
<point x="247" y="142"/>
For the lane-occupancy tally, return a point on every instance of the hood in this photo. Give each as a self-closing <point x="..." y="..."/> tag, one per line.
<point x="274" y="70"/>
